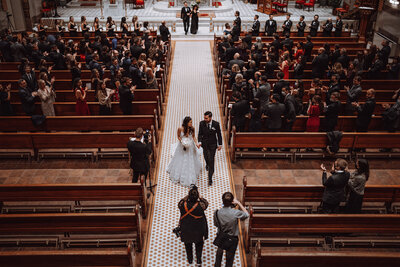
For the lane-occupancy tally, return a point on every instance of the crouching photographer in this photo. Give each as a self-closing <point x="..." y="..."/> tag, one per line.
<point x="140" y="150"/>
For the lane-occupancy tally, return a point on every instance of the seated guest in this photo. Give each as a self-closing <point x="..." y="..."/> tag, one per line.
<point x="327" y="28"/>
<point x="313" y="112"/>
<point x="81" y="108"/>
<point x="331" y="111"/>
<point x="236" y="60"/>
<point x="104" y="96"/>
<point x="227" y="30"/>
<point x="30" y="78"/>
<point x="47" y="97"/>
<point x="151" y="81"/>
<point x="5" y="96"/>
<point x="394" y="69"/>
<point x="365" y="111"/>
<point x="27" y="96"/>
<point x="334" y="186"/>
<point x="353" y="94"/>
<point x="126" y="94"/>
<point x="274" y="111"/>
<point x="356" y="186"/>
<point x="239" y="111"/>
<point x="391" y="117"/>
<point x="239" y="85"/>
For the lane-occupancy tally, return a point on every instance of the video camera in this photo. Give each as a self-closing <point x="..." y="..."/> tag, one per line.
<point x="146" y="136"/>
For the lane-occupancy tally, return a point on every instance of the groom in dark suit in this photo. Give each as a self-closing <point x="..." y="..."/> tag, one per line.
<point x="210" y="138"/>
<point x="185" y="16"/>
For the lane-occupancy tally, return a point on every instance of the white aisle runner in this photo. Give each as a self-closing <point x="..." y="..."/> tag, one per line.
<point x="192" y="92"/>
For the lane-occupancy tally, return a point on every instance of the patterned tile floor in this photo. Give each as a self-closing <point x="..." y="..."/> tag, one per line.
<point x="192" y="92"/>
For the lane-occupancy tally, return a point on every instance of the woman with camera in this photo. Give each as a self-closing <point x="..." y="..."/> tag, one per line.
<point x="193" y="226"/>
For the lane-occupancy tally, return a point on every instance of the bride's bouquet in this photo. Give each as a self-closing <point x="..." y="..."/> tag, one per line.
<point x="186" y="142"/>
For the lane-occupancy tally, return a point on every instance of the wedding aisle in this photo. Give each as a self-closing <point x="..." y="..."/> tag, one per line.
<point x="192" y="92"/>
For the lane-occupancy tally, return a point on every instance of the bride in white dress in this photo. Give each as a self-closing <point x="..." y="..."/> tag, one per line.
<point x="185" y="164"/>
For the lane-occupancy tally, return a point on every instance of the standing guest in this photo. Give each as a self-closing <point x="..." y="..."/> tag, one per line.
<point x="135" y="25"/>
<point x="140" y="152"/>
<point x="377" y="66"/>
<point x="320" y="64"/>
<point x="299" y="67"/>
<point x="47" y="97"/>
<point x="274" y="112"/>
<point x="314" y="26"/>
<point x="271" y="66"/>
<point x="334" y="186"/>
<point x="365" y="111"/>
<point x="301" y="26"/>
<point x="194" y="26"/>
<point x="110" y="27"/>
<point x="72" y="28"/>
<point x="313" y="112"/>
<point x="95" y="80"/>
<point x="327" y="28"/>
<point x="270" y="26"/>
<point x="391" y="116"/>
<point x="124" y="26"/>
<point x="41" y="29"/>
<point x="356" y="186"/>
<point x="126" y="94"/>
<point x="280" y="84"/>
<point x="164" y="32"/>
<point x="59" y="27"/>
<point x="353" y="94"/>
<point x="27" y="96"/>
<point x="82" y="108"/>
<point x="338" y="26"/>
<point x="84" y="25"/>
<point x="255" y="116"/>
<point x="255" y="29"/>
<point x="334" y="86"/>
<point x="114" y="68"/>
<point x="226" y="219"/>
<point x="75" y="70"/>
<point x="285" y="66"/>
<point x="185" y="16"/>
<point x="290" y="108"/>
<point x="193" y="223"/>
<point x="96" y="27"/>
<point x="332" y="112"/>
<point x="238" y="21"/>
<point x="276" y="44"/>
<point x="287" y="25"/>
<point x="308" y="47"/>
<point x="263" y="92"/>
<point x="30" y="78"/>
<point x="385" y="51"/>
<point x="5" y="96"/>
<point x="104" y="96"/>
<point x="239" y="111"/>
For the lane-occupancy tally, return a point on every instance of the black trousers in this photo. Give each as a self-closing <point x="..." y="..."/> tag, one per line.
<point x="328" y="208"/>
<point x="199" y="251"/>
<point x="209" y="157"/>
<point x="230" y="255"/>
<point x="136" y="176"/>
<point x="186" y="24"/>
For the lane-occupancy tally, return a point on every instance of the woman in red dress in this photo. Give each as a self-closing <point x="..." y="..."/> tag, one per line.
<point x="81" y="108"/>
<point x="285" y="66"/>
<point x="313" y="113"/>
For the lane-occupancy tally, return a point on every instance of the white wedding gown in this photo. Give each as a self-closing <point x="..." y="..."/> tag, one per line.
<point x="185" y="165"/>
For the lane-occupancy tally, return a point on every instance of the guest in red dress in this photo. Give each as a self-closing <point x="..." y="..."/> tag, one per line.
<point x="81" y="108"/>
<point x="285" y="66"/>
<point x="313" y="113"/>
<point x="298" y="50"/>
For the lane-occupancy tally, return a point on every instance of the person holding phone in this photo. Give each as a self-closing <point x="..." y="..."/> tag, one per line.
<point x="334" y="186"/>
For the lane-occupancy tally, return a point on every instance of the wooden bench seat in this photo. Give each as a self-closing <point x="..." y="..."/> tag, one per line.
<point x="59" y="74"/>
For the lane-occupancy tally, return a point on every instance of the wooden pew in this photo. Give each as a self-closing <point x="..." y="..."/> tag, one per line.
<point x="78" y="224"/>
<point x="91" y="33"/>
<point x="294" y="34"/>
<point x="68" y="142"/>
<point x="59" y="74"/>
<point x="265" y="257"/>
<point x="123" y="257"/>
<point x="75" y="192"/>
<point x="260" y="194"/>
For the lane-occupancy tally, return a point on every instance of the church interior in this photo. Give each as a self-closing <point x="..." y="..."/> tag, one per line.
<point x="300" y="103"/>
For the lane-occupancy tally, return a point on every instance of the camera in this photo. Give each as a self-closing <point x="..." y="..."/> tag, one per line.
<point x="146" y="136"/>
<point x="194" y="187"/>
<point x="177" y="231"/>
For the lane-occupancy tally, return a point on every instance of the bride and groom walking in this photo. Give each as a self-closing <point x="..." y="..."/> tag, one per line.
<point x="185" y="164"/>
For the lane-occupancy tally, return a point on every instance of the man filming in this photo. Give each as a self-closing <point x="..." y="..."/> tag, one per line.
<point x="140" y="150"/>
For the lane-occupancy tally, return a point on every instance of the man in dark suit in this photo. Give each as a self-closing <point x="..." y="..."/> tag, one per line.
<point x="270" y="26"/>
<point x="30" y="78"/>
<point x="239" y="110"/>
<point x="301" y="26"/>
<point x="271" y="66"/>
<point x="385" y="51"/>
<point x="185" y="16"/>
<point x="353" y="94"/>
<point x="136" y="48"/>
<point x="236" y="60"/>
<point x="274" y="111"/>
<point x="338" y="26"/>
<point x="288" y="43"/>
<point x="308" y="47"/>
<point x="287" y="25"/>
<point x="377" y="66"/>
<point x="27" y="97"/>
<point x="238" y="21"/>
<point x="365" y="111"/>
<point x="280" y="84"/>
<point x="343" y="59"/>
<point x="126" y="94"/>
<point x="332" y="112"/>
<point x="334" y="86"/>
<point x="320" y="64"/>
<point x="255" y="29"/>
<point x="334" y="186"/>
<point x="327" y="28"/>
<point x="290" y="108"/>
<point x="164" y="32"/>
<point x="263" y="92"/>
<point x="314" y="26"/>
<point x="210" y="138"/>
<point x="140" y="152"/>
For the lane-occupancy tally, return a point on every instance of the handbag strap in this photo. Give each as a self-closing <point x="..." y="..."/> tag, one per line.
<point x="218" y="222"/>
<point x="189" y="212"/>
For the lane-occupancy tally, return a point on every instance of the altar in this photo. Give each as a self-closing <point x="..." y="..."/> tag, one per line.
<point x="204" y="5"/>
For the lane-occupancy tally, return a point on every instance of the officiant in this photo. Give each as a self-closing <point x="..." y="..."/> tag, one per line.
<point x="185" y="16"/>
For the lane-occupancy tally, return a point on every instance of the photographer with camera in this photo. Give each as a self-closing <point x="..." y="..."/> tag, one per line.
<point x="193" y="226"/>
<point x="140" y="150"/>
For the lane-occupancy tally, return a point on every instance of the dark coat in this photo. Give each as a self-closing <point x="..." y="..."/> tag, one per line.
<point x="208" y="137"/>
<point x="328" y="27"/>
<point x="274" y="111"/>
<point x="364" y="115"/>
<point x="32" y="82"/>
<point x="27" y="100"/>
<point x="320" y="65"/>
<point x="193" y="230"/>
<point x="290" y="108"/>
<point x="184" y="14"/>
<point x="255" y="29"/>
<point x="301" y="27"/>
<point x="140" y="153"/>
<point x="338" y="28"/>
<point x="331" y="115"/>
<point x="308" y="47"/>
<point x="270" y="68"/>
<point x="164" y="32"/>
<point x="334" y="187"/>
<point x="314" y="28"/>
<point x="238" y="112"/>
<point x="270" y="27"/>
<point x="287" y="26"/>
<point x="125" y="99"/>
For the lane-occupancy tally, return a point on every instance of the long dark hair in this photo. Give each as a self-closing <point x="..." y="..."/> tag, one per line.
<point x="185" y="125"/>
<point x="363" y="168"/>
<point x="193" y="195"/>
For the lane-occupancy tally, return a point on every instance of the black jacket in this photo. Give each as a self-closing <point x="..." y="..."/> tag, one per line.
<point x="140" y="153"/>
<point x="331" y="115"/>
<point x="308" y="47"/>
<point x="274" y="111"/>
<point x="270" y="68"/>
<point x="287" y="26"/>
<point x="255" y="29"/>
<point x="125" y="99"/>
<point x="193" y="229"/>
<point x="164" y="32"/>
<point x="334" y="187"/>
<point x="270" y="27"/>
<point x="184" y="13"/>
<point x="364" y="114"/>
<point x="210" y="138"/>
<point x="27" y="100"/>
<point x="320" y="65"/>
